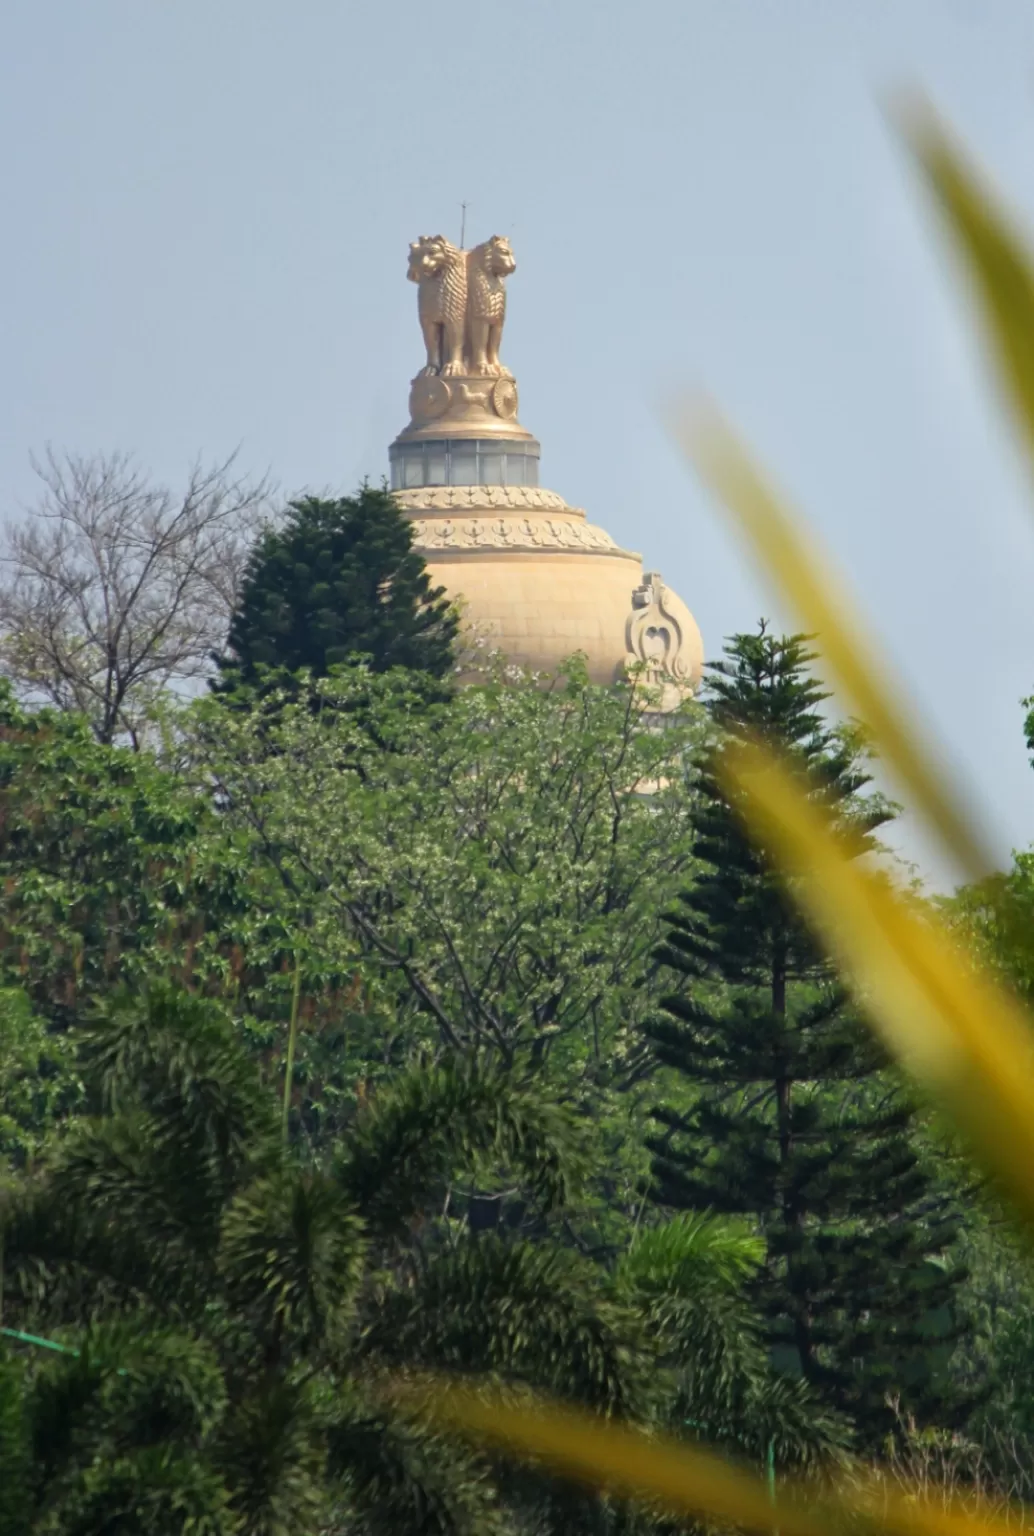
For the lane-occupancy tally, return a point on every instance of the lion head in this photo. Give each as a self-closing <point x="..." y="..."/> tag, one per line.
<point x="427" y="257"/>
<point x="497" y="256"/>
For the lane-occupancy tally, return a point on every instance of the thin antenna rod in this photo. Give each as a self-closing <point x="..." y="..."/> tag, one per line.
<point x="463" y="225"/>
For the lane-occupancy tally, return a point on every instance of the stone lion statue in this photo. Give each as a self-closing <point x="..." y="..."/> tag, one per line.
<point x="489" y="265"/>
<point x="439" y="269"/>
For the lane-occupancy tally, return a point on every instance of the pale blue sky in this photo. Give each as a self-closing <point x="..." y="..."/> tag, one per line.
<point x="207" y="205"/>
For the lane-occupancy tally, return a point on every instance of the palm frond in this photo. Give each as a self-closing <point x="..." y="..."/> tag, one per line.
<point x="274" y="1462"/>
<point x="395" y="1475"/>
<point x="532" y="1312"/>
<point x="179" y="1058"/>
<point x="292" y="1256"/>
<point x="692" y="1253"/>
<point x="15" y="1449"/>
<point x="416" y="1132"/>
<point x="154" y="1492"/>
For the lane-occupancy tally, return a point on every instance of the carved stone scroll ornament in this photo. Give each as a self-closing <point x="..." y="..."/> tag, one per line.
<point x="654" y="634"/>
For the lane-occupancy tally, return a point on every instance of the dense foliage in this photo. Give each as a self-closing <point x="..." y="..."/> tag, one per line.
<point x="330" y="1028"/>
<point x="796" y="1123"/>
<point x="237" y="1311"/>
<point x="493" y="867"/>
<point x="337" y="578"/>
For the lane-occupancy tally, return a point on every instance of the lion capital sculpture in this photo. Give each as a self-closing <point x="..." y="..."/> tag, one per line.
<point x="461" y="301"/>
<point x="439" y="269"/>
<point x="489" y="265"/>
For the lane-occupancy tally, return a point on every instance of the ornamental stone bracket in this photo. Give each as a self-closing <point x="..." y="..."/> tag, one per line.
<point x="662" y="636"/>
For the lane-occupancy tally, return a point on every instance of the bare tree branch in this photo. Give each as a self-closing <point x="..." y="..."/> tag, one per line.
<point x="113" y="588"/>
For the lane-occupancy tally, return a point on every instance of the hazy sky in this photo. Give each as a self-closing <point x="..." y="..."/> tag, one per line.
<point x="206" y="209"/>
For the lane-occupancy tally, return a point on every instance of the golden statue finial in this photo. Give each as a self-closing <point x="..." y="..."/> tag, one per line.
<point x="439" y="269"/>
<point x="461" y="301"/>
<point x="488" y="267"/>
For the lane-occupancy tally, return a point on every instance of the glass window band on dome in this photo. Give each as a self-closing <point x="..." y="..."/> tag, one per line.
<point x="463" y="461"/>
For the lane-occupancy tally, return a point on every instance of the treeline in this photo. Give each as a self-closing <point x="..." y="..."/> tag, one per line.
<point x="356" y="1026"/>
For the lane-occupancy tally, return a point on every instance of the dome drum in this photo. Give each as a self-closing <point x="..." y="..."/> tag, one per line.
<point x="434" y="461"/>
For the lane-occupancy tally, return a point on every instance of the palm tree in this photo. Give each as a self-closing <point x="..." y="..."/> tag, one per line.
<point x="690" y="1278"/>
<point x="235" y="1312"/>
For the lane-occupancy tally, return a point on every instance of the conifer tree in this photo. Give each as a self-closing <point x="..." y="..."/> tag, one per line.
<point x="339" y="578"/>
<point x="796" y="1122"/>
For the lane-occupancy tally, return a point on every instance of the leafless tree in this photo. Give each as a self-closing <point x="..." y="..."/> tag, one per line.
<point x="113" y="588"/>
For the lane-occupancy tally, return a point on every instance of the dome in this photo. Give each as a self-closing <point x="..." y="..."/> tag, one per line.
<point x="533" y="578"/>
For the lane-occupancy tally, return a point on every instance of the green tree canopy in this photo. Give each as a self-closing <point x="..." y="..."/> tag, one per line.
<point x="796" y="1124"/>
<point x="337" y="578"/>
<point x="232" y="1310"/>
<point x="494" y="867"/>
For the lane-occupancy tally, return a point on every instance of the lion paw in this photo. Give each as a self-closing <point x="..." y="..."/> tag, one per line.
<point x="428" y="371"/>
<point x="452" y="371"/>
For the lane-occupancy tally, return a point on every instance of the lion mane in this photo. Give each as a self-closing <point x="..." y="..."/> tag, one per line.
<point x="490" y="264"/>
<point x="439" y="269"/>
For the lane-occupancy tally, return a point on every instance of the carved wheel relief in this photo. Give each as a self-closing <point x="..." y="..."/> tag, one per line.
<point x="432" y="396"/>
<point x="429" y="398"/>
<point x="504" y="398"/>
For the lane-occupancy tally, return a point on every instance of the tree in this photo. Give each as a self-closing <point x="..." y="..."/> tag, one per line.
<point x="339" y="578"/>
<point x="111" y="869"/>
<point x="227" y="1301"/>
<point x="236" y="1309"/>
<point x="116" y="870"/>
<point x="995" y="917"/>
<point x="116" y="588"/>
<point x="792" y="1119"/>
<point x="691" y="1278"/>
<point x="489" y="865"/>
<point x="496" y="854"/>
<point x="38" y="1081"/>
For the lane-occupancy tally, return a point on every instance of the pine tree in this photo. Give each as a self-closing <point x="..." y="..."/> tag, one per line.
<point x="796" y="1121"/>
<point x="340" y="578"/>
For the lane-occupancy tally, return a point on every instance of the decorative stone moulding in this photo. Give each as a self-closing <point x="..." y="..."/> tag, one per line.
<point x="512" y="533"/>
<point x="476" y="498"/>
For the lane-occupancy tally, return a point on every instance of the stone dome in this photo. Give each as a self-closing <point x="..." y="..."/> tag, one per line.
<point x="537" y="581"/>
<point x="534" y="579"/>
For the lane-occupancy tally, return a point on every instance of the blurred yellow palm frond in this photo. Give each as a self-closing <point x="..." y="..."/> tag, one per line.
<point x="967" y="1041"/>
<point x="625" y="1461"/>
<point x="791" y="558"/>
<point x="992" y="247"/>
<point x="682" y="1478"/>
